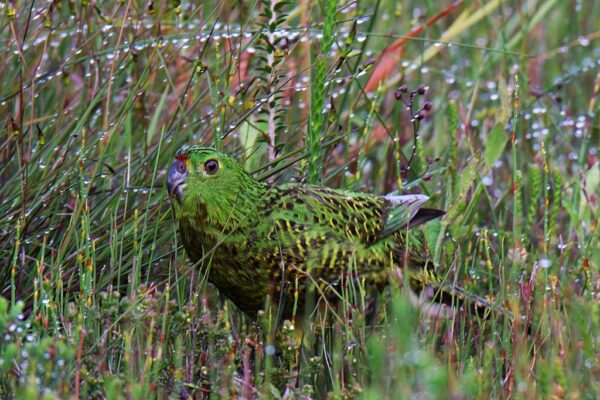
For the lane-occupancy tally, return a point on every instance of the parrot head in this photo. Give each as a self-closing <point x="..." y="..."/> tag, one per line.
<point x="202" y="176"/>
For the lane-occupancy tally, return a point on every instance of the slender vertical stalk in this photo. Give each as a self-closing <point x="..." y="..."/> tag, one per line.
<point x="516" y="172"/>
<point x="318" y="94"/>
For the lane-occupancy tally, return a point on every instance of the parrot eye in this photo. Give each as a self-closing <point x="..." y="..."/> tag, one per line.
<point x="211" y="167"/>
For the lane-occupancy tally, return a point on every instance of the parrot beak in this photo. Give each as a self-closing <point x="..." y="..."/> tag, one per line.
<point x="176" y="179"/>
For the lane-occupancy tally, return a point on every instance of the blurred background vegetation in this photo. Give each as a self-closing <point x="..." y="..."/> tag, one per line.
<point x="98" y="299"/>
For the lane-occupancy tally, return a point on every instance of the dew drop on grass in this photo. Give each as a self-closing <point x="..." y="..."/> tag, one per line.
<point x="362" y="20"/>
<point x="584" y="41"/>
<point x="270" y="349"/>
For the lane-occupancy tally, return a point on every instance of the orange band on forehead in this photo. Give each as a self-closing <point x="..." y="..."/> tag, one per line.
<point x="182" y="157"/>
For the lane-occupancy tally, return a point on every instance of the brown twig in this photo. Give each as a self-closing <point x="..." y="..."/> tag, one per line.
<point x="82" y="336"/>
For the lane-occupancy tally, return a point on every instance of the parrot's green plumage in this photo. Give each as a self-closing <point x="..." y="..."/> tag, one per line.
<point x="257" y="239"/>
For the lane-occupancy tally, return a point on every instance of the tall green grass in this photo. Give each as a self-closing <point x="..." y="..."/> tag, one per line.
<point x="98" y="299"/>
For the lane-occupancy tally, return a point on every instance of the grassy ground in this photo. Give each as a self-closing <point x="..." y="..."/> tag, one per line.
<point x="98" y="299"/>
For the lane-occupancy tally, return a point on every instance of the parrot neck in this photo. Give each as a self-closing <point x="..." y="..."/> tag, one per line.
<point x="238" y="208"/>
<point x="221" y="211"/>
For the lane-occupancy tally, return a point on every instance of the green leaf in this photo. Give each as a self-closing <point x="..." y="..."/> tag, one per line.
<point x="153" y="127"/>
<point x="592" y="179"/>
<point x="431" y="231"/>
<point x="467" y="179"/>
<point x="592" y="183"/>
<point x="495" y="145"/>
<point x="253" y="148"/>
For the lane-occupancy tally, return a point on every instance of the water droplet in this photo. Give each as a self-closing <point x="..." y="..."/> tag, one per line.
<point x="270" y="349"/>
<point x="362" y="19"/>
<point x="584" y="41"/>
